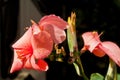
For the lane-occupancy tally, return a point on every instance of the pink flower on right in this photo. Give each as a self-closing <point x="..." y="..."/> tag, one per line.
<point x="94" y="45"/>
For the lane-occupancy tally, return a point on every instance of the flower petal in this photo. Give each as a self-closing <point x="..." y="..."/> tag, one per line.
<point x="35" y="28"/>
<point x="98" y="52"/>
<point x="42" y="44"/>
<point x="112" y="50"/>
<point x="42" y="65"/>
<point x="53" y="20"/>
<point x="24" y="41"/>
<point x="27" y="64"/>
<point x="58" y="35"/>
<point x="39" y="64"/>
<point x="91" y="40"/>
<point x="23" y="46"/>
<point x="17" y="64"/>
<point x="22" y="50"/>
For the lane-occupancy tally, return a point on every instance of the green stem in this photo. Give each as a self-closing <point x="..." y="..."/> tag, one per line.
<point x="79" y="63"/>
<point x="112" y="71"/>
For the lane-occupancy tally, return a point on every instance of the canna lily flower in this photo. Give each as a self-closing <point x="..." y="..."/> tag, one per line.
<point x="37" y="43"/>
<point x="94" y="45"/>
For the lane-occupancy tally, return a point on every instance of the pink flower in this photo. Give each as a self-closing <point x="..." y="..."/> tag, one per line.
<point x="55" y="26"/>
<point x="37" y="43"/>
<point x="94" y="45"/>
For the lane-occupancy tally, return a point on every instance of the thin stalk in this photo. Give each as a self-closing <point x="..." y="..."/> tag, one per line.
<point x="79" y="63"/>
<point x="72" y="43"/>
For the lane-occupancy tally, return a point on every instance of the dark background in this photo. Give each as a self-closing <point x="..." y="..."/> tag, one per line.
<point x="100" y="15"/>
<point x="8" y="28"/>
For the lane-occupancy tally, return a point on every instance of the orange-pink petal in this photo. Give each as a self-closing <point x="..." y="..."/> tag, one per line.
<point x="112" y="50"/>
<point x="22" y="51"/>
<point x="58" y="35"/>
<point x="38" y="64"/>
<point x="91" y="40"/>
<point x="17" y="63"/>
<point x="42" y="65"/>
<point x="25" y="41"/>
<point x="42" y="43"/>
<point x="53" y="20"/>
<point x="98" y="52"/>
<point x="55" y="26"/>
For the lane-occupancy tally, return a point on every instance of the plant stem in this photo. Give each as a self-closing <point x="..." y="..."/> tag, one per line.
<point x="112" y="71"/>
<point x="79" y="63"/>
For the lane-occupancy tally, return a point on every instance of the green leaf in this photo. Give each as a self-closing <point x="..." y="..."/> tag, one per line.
<point x="77" y="68"/>
<point x="96" y="76"/>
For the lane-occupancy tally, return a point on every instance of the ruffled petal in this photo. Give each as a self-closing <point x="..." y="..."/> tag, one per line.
<point x="112" y="50"/>
<point x="53" y="20"/>
<point x="58" y="35"/>
<point x="91" y="40"/>
<point x="42" y="44"/>
<point x="17" y="64"/>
